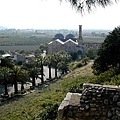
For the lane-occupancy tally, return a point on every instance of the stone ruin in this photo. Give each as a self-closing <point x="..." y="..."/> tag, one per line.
<point x="96" y="102"/>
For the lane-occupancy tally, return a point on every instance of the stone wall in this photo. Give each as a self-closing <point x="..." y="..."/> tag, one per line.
<point x="97" y="102"/>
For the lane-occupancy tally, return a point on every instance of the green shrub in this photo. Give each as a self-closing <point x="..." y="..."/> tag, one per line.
<point x="111" y="76"/>
<point x="76" y="88"/>
<point x="50" y="113"/>
<point x="75" y="65"/>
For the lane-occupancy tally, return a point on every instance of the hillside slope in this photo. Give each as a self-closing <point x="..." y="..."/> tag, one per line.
<point x="34" y="105"/>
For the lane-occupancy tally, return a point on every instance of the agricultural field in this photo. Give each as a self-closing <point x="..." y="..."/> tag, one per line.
<point x="20" y="48"/>
<point x="31" y="40"/>
<point x="93" y="39"/>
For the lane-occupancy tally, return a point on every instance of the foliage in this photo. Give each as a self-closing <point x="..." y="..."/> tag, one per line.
<point x="74" y="65"/>
<point x="85" y="60"/>
<point x="45" y="101"/>
<point x="2" y="52"/>
<point x="91" y="53"/>
<point x="16" y="75"/>
<point x="50" y="112"/>
<point x="39" y="64"/>
<point x="74" y="56"/>
<point x="111" y="76"/>
<point x="64" y="60"/>
<point x="4" y="78"/>
<point x="77" y="88"/>
<point x="108" y="55"/>
<point x="6" y="62"/>
<point x="84" y="5"/>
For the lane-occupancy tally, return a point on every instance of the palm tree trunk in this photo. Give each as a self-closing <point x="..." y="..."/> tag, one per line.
<point x="16" y="87"/>
<point x="49" y="71"/>
<point x="42" y="74"/>
<point x="6" y="91"/>
<point x="33" y="81"/>
<point x="22" y="85"/>
<point x="55" y="72"/>
<point x="63" y="71"/>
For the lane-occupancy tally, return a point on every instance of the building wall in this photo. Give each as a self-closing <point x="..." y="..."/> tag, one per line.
<point x="70" y="44"/>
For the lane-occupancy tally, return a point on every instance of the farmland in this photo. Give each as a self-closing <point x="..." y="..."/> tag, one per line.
<point x="20" y="47"/>
<point x="30" y="40"/>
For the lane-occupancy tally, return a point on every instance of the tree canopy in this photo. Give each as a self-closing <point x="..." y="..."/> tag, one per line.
<point x="83" y="5"/>
<point x="108" y="55"/>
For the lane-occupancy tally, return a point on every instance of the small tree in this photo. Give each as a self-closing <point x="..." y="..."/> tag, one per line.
<point x="91" y="52"/>
<point x="85" y="60"/>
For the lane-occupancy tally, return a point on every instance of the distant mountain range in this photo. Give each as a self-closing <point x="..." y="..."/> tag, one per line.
<point x="2" y="28"/>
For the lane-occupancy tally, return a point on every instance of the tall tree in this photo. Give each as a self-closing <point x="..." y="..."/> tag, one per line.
<point x="40" y="63"/>
<point x="24" y="78"/>
<point x="4" y="78"/>
<point x="108" y="55"/>
<point x="16" y="75"/>
<point x="33" y="74"/>
<point x="6" y="62"/>
<point x="64" y="60"/>
<point x="55" y="61"/>
<point x="48" y="61"/>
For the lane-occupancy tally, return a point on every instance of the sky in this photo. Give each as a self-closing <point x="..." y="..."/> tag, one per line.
<point x="53" y="14"/>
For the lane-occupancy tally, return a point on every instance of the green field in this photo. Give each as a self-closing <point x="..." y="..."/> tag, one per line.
<point x="93" y="39"/>
<point x="20" y="47"/>
<point x="31" y="40"/>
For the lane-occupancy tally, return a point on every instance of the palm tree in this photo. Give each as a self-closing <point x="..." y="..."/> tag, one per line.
<point x="63" y="66"/>
<point x="40" y="64"/>
<point x="25" y="77"/>
<point x="55" y="61"/>
<point x="6" y="62"/>
<point x="65" y="59"/>
<point x="4" y="77"/>
<point x="33" y="74"/>
<point x="48" y="61"/>
<point x="16" y="75"/>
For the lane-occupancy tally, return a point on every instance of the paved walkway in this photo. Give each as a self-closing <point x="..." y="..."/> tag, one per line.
<point x="27" y="86"/>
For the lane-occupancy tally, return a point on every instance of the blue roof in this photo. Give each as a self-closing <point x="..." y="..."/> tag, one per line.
<point x="69" y="36"/>
<point x="59" y="36"/>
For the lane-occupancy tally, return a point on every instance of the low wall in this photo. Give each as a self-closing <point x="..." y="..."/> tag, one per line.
<point x="97" y="102"/>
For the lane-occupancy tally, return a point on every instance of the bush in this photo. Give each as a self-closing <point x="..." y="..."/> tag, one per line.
<point x="76" y="88"/>
<point x="50" y="113"/>
<point x="75" y="65"/>
<point x="111" y="76"/>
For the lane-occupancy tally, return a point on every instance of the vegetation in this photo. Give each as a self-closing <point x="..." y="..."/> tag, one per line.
<point x="110" y="77"/>
<point x="43" y="104"/>
<point x="108" y="55"/>
<point x="84" y="5"/>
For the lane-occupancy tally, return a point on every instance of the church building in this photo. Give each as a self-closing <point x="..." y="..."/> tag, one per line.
<point x="70" y="44"/>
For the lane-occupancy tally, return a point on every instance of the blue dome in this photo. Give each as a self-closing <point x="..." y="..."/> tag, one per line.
<point x="59" y="36"/>
<point x="69" y="36"/>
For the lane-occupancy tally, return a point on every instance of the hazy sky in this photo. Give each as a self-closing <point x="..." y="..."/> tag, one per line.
<point x="51" y="14"/>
